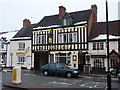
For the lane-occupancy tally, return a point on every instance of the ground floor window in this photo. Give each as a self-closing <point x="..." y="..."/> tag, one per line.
<point x="99" y="62"/>
<point x="63" y="58"/>
<point x="113" y="62"/>
<point x="21" y="59"/>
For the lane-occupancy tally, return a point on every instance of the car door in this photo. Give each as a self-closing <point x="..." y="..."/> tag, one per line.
<point x="60" y="69"/>
<point x="52" y="68"/>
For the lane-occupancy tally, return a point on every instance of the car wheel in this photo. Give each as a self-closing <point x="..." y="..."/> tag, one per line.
<point x="69" y="75"/>
<point x="45" y="73"/>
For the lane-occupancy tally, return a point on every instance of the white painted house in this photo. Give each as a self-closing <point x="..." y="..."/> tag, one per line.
<point x="98" y="46"/>
<point x="5" y="47"/>
<point x="20" y="47"/>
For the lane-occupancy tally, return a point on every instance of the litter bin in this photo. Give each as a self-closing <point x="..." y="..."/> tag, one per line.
<point x="16" y="75"/>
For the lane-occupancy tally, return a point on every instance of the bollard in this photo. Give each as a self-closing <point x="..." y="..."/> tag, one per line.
<point x="16" y="75"/>
<point x="108" y="82"/>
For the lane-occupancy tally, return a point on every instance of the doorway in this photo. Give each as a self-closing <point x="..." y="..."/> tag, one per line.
<point x="40" y="59"/>
<point x="29" y="62"/>
<point x="81" y="61"/>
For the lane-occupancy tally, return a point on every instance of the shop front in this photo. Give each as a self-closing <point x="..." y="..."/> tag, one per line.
<point x="70" y="58"/>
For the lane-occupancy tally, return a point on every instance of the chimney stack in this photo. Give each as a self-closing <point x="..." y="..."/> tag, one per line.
<point x="94" y="12"/>
<point x="62" y="11"/>
<point x="26" y="22"/>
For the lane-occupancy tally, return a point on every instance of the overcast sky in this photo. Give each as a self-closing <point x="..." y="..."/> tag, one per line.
<point x="12" y="12"/>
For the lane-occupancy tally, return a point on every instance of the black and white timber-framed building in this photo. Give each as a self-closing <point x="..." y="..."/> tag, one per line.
<point x="63" y="43"/>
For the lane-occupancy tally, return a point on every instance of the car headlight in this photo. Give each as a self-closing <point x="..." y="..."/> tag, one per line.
<point x="75" y="71"/>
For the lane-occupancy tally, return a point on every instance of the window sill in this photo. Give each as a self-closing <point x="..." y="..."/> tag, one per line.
<point x="20" y="63"/>
<point x="98" y="49"/>
<point x="21" y="49"/>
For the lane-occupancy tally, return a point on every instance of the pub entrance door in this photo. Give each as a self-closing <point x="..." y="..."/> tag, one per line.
<point x="81" y="61"/>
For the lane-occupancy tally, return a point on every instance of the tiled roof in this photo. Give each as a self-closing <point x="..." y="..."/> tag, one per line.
<point x="77" y="16"/>
<point x="25" y="31"/>
<point x="53" y="20"/>
<point x="100" y="28"/>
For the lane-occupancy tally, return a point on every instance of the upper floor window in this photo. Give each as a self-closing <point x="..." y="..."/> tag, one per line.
<point x="72" y="37"/>
<point x="63" y="38"/>
<point x="2" y="44"/>
<point x="64" y="21"/>
<point x="41" y="39"/>
<point x="98" y="46"/>
<point x="21" y="46"/>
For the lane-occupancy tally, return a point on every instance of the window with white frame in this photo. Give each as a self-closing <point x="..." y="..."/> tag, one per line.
<point x="63" y="58"/>
<point x="94" y="46"/>
<point x="63" y="38"/>
<point x="21" y="46"/>
<point x="113" y="62"/>
<point x="72" y="37"/>
<point x="99" y="62"/>
<point x="41" y="39"/>
<point x="98" y="46"/>
<point x="101" y="46"/>
<point x="21" y="59"/>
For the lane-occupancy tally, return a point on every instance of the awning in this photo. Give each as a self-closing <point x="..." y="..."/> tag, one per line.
<point x="98" y="56"/>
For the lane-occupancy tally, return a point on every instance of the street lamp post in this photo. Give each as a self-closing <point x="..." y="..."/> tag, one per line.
<point x="107" y="30"/>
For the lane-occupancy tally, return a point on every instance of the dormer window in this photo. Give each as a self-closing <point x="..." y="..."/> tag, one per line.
<point x="65" y="22"/>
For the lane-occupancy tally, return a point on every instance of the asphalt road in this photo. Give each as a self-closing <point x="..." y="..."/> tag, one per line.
<point x="62" y="82"/>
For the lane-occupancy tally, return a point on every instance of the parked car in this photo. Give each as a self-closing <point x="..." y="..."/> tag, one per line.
<point x="59" y="69"/>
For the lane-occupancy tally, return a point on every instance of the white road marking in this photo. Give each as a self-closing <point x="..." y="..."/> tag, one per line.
<point x="64" y="83"/>
<point x="94" y="85"/>
<point x="30" y="74"/>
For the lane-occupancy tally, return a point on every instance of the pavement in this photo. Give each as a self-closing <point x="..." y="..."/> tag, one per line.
<point x="31" y="86"/>
<point x="24" y="85"/>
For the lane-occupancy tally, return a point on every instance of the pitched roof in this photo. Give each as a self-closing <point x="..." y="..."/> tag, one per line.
<point x="114" y="52"/>
<point x="77" y="16"/>
<point x="100" y="28"/>
<point x="25" y="31"/>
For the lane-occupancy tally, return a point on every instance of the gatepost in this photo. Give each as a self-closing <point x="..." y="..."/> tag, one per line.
<point x="16" y="75"/>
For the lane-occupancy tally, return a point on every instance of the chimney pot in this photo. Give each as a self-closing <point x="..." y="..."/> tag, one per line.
<point x="94" y="6"/>
<point x="26" y="22"/>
